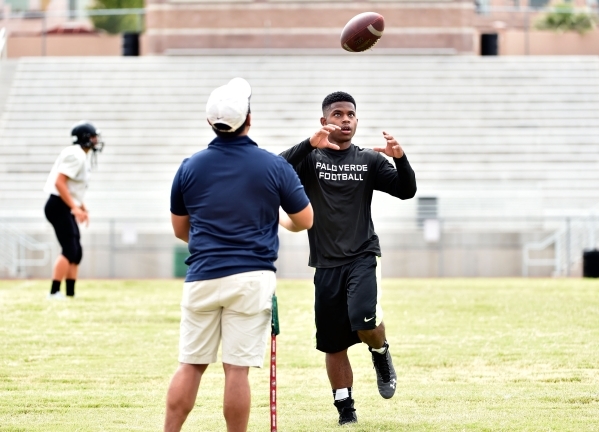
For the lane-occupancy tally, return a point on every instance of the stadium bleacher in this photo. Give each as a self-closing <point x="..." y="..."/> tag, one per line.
<point x="488" y="137"/>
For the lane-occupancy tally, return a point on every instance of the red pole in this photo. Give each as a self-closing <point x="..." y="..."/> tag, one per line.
<point x="273" y="383"/>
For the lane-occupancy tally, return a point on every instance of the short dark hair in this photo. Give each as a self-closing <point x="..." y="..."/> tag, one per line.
<point x="337" y="97"/>
<point x="222" y="132"/>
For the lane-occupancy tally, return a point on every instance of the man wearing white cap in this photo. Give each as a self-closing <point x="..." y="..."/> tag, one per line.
<point x="225" y="204"/>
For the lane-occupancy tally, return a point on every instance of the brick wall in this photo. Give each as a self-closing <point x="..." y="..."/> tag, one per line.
<point x="196" y="25"/>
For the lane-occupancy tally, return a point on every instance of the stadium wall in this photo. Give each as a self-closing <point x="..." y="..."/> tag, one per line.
<point x="515" y="42"/>
<point x="94" y="44"/>
<point x="184" y="25"/>
<point x="110" y="253"/>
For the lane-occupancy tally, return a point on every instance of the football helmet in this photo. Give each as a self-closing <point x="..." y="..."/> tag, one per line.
<point x="82" y="133"/>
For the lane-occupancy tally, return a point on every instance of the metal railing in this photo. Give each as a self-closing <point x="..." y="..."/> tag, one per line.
<point x="3" y="48"/>
<point x="442" y="247"/>
<point x="484" y="7"/>
<point x="577" y="234"/>
<point x="17" y="249"/>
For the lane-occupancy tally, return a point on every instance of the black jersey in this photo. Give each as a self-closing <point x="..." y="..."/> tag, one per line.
<point x="340" y="184"/>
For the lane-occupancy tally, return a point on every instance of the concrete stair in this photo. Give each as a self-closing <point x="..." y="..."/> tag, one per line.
<point x="515" y="137"/>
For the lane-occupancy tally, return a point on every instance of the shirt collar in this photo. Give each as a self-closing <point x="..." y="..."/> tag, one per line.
<point x="238" y="140"/>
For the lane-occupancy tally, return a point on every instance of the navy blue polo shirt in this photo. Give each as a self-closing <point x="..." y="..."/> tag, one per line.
<point x="232" y="191"/>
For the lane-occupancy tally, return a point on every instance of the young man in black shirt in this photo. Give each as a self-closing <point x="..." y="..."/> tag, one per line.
<point x="340" y="179"/>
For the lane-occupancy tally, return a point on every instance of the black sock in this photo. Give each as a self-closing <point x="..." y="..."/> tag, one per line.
<point x="71" y="287"/>
<point x="55" y="287"/>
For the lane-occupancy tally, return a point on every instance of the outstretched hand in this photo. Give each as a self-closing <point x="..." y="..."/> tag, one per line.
<point x="393" y="149"/>
<point x="321" y="138"/>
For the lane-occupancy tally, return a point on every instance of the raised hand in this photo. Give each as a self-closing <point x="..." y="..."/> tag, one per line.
<point x="393" y="149"/>
<point x="321" y="138"/>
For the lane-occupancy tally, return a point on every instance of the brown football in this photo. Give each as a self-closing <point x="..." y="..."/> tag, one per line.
<point x="362" y="32"/>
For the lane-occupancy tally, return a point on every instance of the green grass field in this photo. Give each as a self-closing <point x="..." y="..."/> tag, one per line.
<point x="471" y="355"/>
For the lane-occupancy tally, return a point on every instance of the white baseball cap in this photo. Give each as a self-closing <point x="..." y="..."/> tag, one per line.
<point x="229" y="105"/>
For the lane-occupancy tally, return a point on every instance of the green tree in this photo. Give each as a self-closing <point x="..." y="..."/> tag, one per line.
<point x="118" y="23"/>
<point x="564" y="18"/>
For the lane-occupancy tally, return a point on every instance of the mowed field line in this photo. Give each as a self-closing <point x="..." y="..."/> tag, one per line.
<point x="471" y="355"/>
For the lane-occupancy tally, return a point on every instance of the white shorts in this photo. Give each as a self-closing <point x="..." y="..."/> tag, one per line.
<point x="236" y="308"/>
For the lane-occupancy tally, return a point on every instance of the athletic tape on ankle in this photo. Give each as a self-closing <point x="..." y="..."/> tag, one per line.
<point x="341" y="394"/>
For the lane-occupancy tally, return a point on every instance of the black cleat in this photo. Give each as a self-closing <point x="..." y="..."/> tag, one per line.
<point x="386" y="379"/>
<point x="347" y="413"/>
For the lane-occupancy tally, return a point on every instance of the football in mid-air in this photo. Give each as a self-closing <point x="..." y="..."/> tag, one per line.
<point x="362" y="32"/>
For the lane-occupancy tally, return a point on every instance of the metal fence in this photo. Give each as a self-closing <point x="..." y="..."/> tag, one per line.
<point x="575" y="235"/>
<point x="19" y="252"/>
<point x="440" y="247"/>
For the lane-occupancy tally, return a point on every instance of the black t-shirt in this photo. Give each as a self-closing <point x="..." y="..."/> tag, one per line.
<point x="340" y="184"/>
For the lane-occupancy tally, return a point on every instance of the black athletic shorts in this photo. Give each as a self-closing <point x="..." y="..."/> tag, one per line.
<point x="346" y="300"/>
<point x="66" y="228"/>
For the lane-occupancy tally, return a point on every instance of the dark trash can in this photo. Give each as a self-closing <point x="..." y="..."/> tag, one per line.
<point x="590" y="263"/>
<point x="130" y="44"/>
<point x="489" y="44"/>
